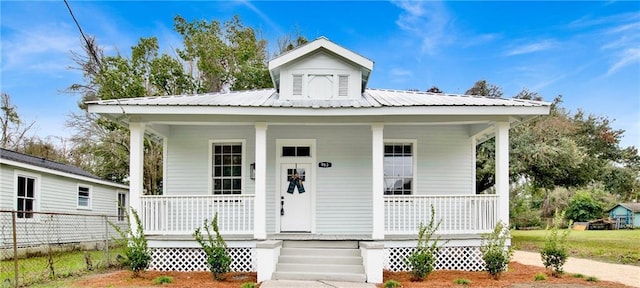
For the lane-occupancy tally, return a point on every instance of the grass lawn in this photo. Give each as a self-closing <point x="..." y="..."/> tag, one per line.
<point x="65" y="264"/>
<point x="613" y="246"/>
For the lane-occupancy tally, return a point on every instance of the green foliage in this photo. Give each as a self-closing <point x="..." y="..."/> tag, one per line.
<point x="495" y="253"/>
<point x="462" y="281"/>
<point x="554" y="252"/>
<point x="583" y="207"/>
<point x="577" y="275"/>
<point x="218" y="260"/>
<point x="592" y="279"/>
<point x="164" y="279"/>
<point x="137" y="255"/>
<point x="539" y="277"/>
<point x="248" y="285"/>
<point x="392" y="284"/>
<point x="423" y="258"/>
<point x="524" y="210"/>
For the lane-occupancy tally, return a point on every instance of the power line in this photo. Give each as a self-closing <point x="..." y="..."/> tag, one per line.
<point x="89" y="46"/>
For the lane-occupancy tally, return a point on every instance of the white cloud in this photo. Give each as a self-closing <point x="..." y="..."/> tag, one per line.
<point x="427" y="21"/>
<point x="532" y="47"/>
<point x="263" y="16"/>
<point x="625" y="58"/>
<point x="400" y="72"/>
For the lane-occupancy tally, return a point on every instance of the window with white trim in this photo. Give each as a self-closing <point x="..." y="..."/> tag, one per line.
<point x="227" y="168"/>
<point x="84" y="196"/>
<point x="26" y="196"/>
<point x="398" y="168"/>
<point x="122" y="206"/>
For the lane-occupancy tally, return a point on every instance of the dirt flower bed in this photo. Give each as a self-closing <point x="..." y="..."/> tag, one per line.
<point x="519" y="275"/>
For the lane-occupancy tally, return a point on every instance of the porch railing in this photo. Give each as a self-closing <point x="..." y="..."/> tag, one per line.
<point x="167" y="215"/>
<point x="459" y="214"/>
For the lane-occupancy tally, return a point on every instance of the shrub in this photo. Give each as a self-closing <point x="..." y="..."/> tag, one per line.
<point x="592" y="279"/>
<point x="554" y="252"/>
<point x="423" y="258"/>
<point x="163" y="280"/>
<point x="218" y="260"/>
<point x="495" y="253"/>
<point x="578" y="275"/>
<point x="583" y="207"/>
<point x="248" y="285"/>
<point x="392" y="284"/>
<point x="462" y="281"/>
<point x="137" y="256"/>
<point x="540" y="277"/>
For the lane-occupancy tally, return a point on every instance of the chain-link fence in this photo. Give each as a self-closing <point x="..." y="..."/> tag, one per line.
<point x="36" y="246"/>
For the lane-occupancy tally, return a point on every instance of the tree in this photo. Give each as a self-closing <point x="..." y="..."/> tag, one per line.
<point x="482" y="88"/>
<point x="583" y="207"/>
<point x="14" y="131"/>
<point x="290" y="41"/>
<point x="435" y="89"/>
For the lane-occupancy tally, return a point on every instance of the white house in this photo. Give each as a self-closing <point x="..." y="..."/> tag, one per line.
<point x="319" y="177"/>
<point x="54" y="202"/>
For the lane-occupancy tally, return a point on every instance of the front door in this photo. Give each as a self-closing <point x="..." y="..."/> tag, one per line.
<point x="295" y="197"/>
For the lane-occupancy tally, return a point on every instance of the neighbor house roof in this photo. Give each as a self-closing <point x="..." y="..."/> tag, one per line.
<point x="633" y="207"/>
<point x="269" y="98"/>
<point x="28" y="161"/>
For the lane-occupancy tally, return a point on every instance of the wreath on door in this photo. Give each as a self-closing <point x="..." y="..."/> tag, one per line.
<point x="295" y="182"/>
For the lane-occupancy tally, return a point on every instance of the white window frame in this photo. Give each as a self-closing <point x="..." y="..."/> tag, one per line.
<point x="36" y="193"/>
<point x="244" y="174"/>
<point x="89" y="198"/>
<point x="122" y="208"/>
<point x="414" y="160"/>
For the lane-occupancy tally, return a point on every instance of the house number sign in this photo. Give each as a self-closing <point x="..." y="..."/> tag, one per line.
<point x="324" y="164"/>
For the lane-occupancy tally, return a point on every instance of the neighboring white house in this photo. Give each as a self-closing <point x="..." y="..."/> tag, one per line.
<point x="47" y="196"/>
<point x="320" y="160"/>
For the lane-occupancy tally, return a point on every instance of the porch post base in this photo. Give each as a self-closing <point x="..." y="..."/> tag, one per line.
<point x="372" y="258"/>
<point x="267" y="253"/>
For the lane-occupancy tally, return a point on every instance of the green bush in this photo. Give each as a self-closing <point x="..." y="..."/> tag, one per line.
<point x="583" y="207"/>
<point x="462" y="281"/>
<point x="592" y="279"/>
<point x="137" y="255"/>
<point x="163" y="280"/>
<point x="423" y="258"/>
<point x="554" y="252"/>
<point x="248" y="285"/>
<point x="495" y="253"/>
<point x="539" y="277"/>
<point x="578" y="275"/>
<point x="218" y="260"/>
<point x="392" y="284"/>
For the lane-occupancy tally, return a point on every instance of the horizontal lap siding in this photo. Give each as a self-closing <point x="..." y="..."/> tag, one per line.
<point x="445" y="160"/>
<point x="343" y="192"/>
<point x="6" y="187"/>
<point x="188" y="157"/>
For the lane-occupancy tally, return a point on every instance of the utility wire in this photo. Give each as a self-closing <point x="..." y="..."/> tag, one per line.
<point x="92" y="51"/>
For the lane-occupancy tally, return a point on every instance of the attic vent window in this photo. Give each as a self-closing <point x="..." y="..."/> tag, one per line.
<point x="343" y="86"/>
<point x="297" y="85"/>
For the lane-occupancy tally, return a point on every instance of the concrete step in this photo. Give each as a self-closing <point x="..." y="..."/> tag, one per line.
<point x="321" y="244"/>
<point x="318" y="252"/>
<point x="345" y="260"/>
<point x="314" y="276"/>
<point x="320" y="268"/>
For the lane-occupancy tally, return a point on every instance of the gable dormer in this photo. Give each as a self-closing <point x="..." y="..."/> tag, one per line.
<point x="320" y="70"/>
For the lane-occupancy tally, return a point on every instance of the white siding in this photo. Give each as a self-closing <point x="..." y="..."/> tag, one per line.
<point x="6" y="187"/>
<point x="188" y="171"/>
<point x="445" y="160"/>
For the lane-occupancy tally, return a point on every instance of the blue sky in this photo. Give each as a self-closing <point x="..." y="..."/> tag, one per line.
<point x="589" y="52"/>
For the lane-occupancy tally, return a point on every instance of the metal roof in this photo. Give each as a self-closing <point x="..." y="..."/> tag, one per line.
<point x="633" y="207"/>
<point x="371" y="98"/>
<point x="44" y="163"/>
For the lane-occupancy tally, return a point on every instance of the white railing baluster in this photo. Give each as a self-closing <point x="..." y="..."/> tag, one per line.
<point x="460" y="214"/>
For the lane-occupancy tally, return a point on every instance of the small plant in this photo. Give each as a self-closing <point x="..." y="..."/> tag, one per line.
<point x="554" y="252"/>
<point x="218" y="260"/>
<point x="248" y="285"/>
<point x="540" y="277"/>
<point x="462" y="281"/>
<point x="592" y="279"/>
<point x="137" y="256"/>
<point x="422" y="260"/>
<point x="163" y="280"/>
<point x="578" y="275"/>
<point x="392" y="284"/>
<point x="495" y="253"/>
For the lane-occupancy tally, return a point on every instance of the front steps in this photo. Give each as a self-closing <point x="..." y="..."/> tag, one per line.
<point x="320" y="260"/>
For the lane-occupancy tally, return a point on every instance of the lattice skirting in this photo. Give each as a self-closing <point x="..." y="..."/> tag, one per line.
<point x="194" y="259"/>
<point x="467" y="258"/>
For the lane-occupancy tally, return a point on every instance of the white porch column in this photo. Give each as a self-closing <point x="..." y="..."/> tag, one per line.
<point x="260" y="213"/>
<point x="136" y="167"/>
<point x="502" y="170"/>
<point x="377" y="159"/>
